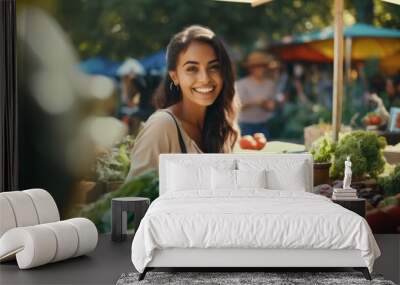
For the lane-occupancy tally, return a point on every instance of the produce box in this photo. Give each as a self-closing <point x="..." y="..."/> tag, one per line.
<point x="313" y="132"/>
<point x="392" y="154"/>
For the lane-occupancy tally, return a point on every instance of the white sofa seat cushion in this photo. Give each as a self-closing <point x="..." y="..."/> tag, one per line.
<point x="7" y="218"/>
<point x="26" y="208"/>
<point x="32" y="246"/>
<point x="23" y="209"/>
<point x="45" y="205"/>
<point x="66" y="237"/>
<point x="40" y="244"/>
<point x="87" y="235"/>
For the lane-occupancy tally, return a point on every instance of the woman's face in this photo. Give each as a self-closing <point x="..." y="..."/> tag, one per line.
<point x="198" y="74"/>
<point x="258" y="71"/>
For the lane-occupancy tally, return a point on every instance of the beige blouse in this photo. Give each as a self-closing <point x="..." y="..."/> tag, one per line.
<point x="159" y="135"/>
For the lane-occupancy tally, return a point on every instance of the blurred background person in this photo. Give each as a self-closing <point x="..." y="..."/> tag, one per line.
<point x="131" y="75"/>
<point x="393" y="90"/>
<point x="300" y="85"/>
<point x="135" y="97"/>
<point x="257" y="94"/>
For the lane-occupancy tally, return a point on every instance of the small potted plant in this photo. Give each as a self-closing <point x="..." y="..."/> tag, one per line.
<point x="322" y="151"/>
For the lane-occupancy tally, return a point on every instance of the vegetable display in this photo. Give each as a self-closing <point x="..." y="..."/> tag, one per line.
<point x="255" y="142"/>
<point x="113" y="164"/>
<point x="322" y="149"/>
<point x="365" y="151"/>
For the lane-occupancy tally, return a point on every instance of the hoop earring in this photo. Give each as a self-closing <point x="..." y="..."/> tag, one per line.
<point x="172" y="85"/>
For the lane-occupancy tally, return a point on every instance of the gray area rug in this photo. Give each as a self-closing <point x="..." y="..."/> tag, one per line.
<point x="269" y="278"/>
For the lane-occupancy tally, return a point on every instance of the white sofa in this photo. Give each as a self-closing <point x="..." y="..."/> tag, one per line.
<point x="202" y="196"/>
<point x="31" y="231"/>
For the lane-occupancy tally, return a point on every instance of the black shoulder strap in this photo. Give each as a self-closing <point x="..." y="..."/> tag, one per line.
<point x="181" y="141"/>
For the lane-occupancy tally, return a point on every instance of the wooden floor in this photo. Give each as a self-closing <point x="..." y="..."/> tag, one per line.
<point x="110" y="260"/>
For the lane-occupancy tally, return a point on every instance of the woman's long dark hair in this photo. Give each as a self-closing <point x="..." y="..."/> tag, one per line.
<point x="218" y="134"/>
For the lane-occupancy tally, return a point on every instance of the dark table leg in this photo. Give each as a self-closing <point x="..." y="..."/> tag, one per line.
<point x="116" y="221"/>
<point x="119" y="212"/>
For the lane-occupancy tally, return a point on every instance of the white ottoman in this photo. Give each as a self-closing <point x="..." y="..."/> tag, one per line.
<point x="31" y="230"/>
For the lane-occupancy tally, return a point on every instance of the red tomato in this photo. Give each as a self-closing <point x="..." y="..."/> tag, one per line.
<point x="258" y="135"/>
<point x="248" y="142"/>
<point x="367" y="121"/>
<point x="375" y="120"/>
<point x="260" y="140"/>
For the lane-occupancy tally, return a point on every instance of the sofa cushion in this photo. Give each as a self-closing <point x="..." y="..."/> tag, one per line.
<point x="40" y="244"/>
<point x="45" y="205"/>
<point x="7" y="218"/>
<point x="26" y="208"/>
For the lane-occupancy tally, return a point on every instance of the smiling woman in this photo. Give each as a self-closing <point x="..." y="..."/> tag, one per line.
<point x="197" y="103"/>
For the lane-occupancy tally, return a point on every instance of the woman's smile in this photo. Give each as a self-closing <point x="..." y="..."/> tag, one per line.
<point x="198" y="74"/>
<point x="204" y="90"/>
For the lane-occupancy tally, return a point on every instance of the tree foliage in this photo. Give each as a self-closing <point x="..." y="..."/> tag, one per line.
<point x="120" y="28"/>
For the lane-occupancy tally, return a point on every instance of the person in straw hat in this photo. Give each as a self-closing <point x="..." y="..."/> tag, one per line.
<point x="257" y="93"/>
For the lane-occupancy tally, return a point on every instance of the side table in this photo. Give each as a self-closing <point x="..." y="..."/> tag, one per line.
<point x="355" y="205"/>
<point x="119" y="208"/>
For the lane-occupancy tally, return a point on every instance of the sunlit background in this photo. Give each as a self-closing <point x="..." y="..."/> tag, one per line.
<point x="87" y="70"/>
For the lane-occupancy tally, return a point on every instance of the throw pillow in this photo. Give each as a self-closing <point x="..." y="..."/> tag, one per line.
<point x="251" y="178"/>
